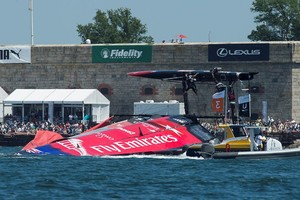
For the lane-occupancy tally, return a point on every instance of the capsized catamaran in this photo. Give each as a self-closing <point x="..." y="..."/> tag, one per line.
<point x="138" y="135"/>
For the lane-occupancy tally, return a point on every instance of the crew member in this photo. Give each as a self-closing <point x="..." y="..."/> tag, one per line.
<point x="190" y="80"/>
<point x="260" y="141"/>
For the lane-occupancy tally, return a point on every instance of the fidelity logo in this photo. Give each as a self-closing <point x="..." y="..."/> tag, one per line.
<point x="120" y="53"/>
<point x="5" y="53"/>
<point x="223" y="52"/>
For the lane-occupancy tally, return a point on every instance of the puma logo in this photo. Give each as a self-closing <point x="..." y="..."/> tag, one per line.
<point x="17" y="54"/>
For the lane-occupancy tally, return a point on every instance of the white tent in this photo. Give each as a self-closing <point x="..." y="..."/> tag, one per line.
<point x="3" y="95"/>
<point x="100" y="105"/>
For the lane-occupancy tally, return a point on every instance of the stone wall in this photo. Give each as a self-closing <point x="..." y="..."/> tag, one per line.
<point x="70" y="66"/>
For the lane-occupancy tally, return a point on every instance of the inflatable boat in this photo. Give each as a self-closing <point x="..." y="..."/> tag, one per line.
<point x="239" y="143"/>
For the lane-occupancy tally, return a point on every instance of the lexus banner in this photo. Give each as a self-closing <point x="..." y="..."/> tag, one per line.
<point x="244" y="106"/>
<point x="238" y="52"/>
<point x="15" y="54"/>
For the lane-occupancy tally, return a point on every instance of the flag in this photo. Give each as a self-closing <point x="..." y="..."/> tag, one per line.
<point x="218" y="101"/>
<point x="265" y="112"/>
<point x="244" y="106"/>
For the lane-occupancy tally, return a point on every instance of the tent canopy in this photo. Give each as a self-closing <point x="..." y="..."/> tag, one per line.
<point x="3" y="94"/>
<point x="56" y="96"/>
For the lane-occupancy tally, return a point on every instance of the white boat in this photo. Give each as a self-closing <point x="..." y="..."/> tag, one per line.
<point x="257" y="154"/>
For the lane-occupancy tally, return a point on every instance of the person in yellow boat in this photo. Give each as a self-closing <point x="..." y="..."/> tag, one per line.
<point x="260" y="141"/>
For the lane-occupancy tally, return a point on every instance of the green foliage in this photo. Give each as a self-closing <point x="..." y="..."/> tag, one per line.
<point x="278" y="20"/>
<point x="115" y="26"/>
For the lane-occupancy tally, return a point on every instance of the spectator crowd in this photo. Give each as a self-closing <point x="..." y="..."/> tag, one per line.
<point x="272" y="126"/>
<point x="13" y="126"/>
<point x="73" y="127"/>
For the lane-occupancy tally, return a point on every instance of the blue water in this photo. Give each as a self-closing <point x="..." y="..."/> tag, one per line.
<point x="145" y="177"/>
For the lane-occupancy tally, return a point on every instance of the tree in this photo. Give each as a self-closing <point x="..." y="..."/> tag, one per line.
<point x="278" y="20"/>
<point x="115" y="26"/>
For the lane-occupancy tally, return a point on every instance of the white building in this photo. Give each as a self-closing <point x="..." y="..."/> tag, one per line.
<point x="57" y="104"/>
<point x="150" y="107"/>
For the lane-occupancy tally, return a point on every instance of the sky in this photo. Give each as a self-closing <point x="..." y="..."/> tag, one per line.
<point x="55" y="21"/>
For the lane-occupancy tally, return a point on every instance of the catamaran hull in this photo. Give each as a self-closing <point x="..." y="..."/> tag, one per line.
<point x="163" y="135"/>
<point x="258" y="154"/>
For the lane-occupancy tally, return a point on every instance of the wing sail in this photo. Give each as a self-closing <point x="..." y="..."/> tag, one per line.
<point x="199" y="75"/>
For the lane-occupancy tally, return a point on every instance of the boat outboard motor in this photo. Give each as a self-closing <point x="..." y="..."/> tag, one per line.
<point x="273" y="145"/>
<point x="207" y="150"/>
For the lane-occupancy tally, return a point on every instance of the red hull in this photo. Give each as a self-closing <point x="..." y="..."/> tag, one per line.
<point x="161" y="135"/>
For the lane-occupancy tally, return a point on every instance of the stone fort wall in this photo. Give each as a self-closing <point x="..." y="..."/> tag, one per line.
<point x="71" y="66"/>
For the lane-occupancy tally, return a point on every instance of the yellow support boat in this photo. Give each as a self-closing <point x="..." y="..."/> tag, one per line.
<point x="237" y="140"/>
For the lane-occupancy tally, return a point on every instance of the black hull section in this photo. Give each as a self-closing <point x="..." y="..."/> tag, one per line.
<point x="286" y="153"/>
<point x="15" y="140"/>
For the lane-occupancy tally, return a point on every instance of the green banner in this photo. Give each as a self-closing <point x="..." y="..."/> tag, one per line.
<point x="120" y="54"/>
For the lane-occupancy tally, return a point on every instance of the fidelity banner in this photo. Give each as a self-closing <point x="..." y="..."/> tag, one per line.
<point x="244" y="106"/>
<point x="121" y="53"/>
<point x="15" y="54"/>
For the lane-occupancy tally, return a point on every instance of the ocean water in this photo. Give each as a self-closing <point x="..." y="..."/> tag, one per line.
<point x="145" y="177"/>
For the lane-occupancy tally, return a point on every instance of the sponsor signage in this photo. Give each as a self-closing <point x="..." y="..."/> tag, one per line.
<point x="218" y="101"/>
<point x="15" y="54"/>
<point x="238" y="52"/>
<point x="128" y="53"/>
<point x="244" y="106"/>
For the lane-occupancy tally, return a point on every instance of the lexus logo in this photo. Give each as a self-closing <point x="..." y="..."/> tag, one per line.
<point x="223" y="52"/>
